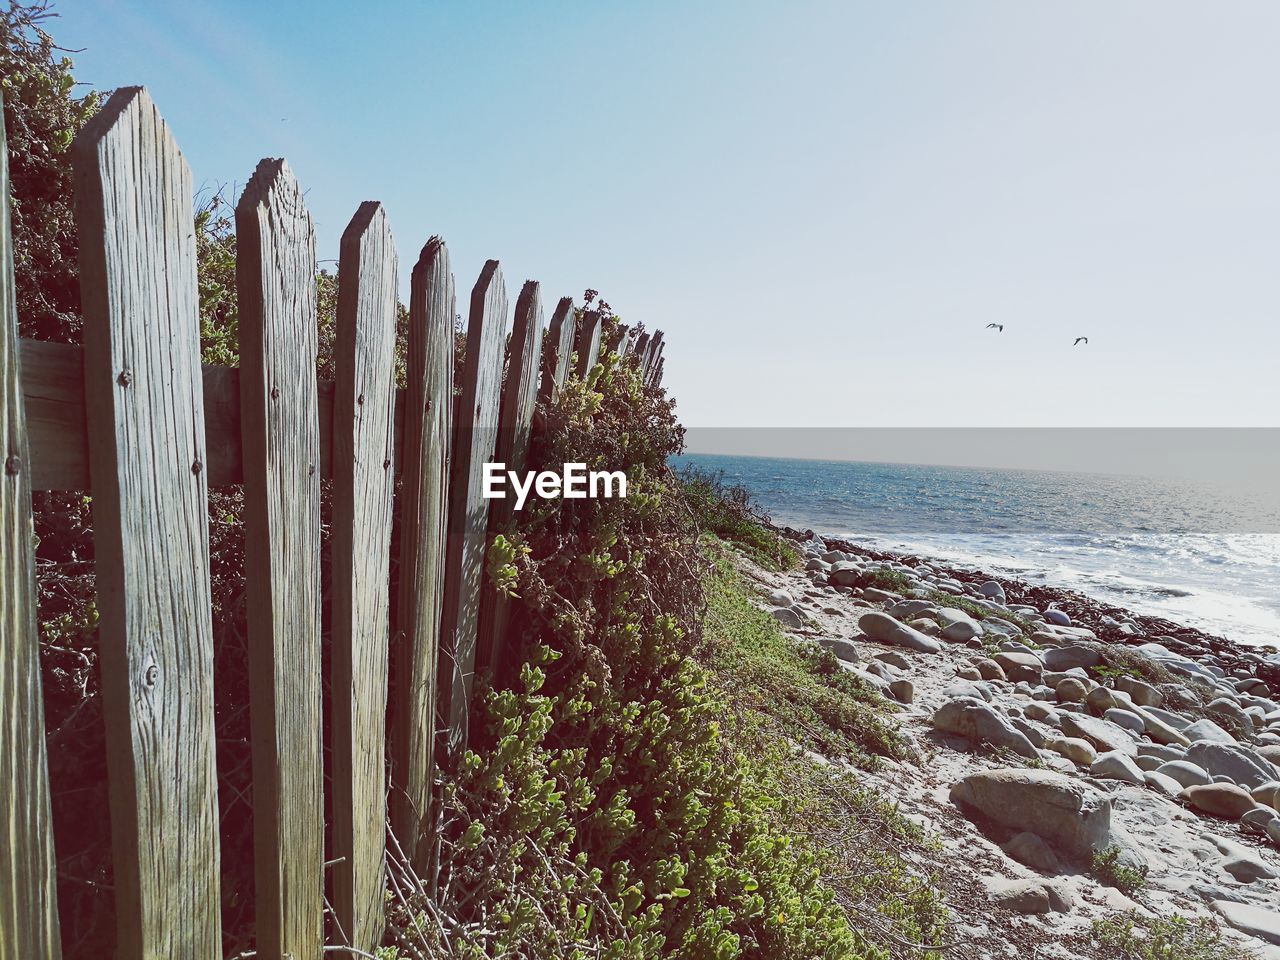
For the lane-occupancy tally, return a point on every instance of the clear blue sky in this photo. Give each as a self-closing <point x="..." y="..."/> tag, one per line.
<point x="822" y="203"/>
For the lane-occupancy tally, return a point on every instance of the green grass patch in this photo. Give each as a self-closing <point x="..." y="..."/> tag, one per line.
<point x="804" y="690"/>
<point x="892" y="580"/>
<point x="728" y="512"/>
<point x="778" y="695"/>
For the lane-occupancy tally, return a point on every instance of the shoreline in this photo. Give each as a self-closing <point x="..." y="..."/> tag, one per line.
<point x="1100" y="616"/>
<point x="1072" y="773"/>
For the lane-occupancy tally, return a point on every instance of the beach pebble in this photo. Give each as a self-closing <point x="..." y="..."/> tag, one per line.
<point x="788" y="617"/>
<point x="1123" y="718"/>
<point x="1186" y="773"/>
<point x="1032" y="851"/>
<point x="974" y="720"/>
<point x="992" y="590"/>
<point x="894" y="658"/>
<point x="989" y="669"/>
<point x="903" y="690"/>
<point x="1117" y="766"/>
<point x="1075" y="655"/>
<point x="842" y="648"/>
<point x="957" y="626"/>
<point x="1162" y="783"/>
<point x="1224" y="800"/>
<point x="1259" y="922"/>
<point x="1206" y="729"/>
<point x="1072" y="690"/>
<point x="1074" y="749"/>
<point x="882" y="627"/>
<point x="1160" y="751"/>
<point x="1238" y="764"/>
<point x="1065" y="811"/>
<point x="1140" y="692"/>
<point x="1019" y="667"/>
<point x="1105" y="736"/>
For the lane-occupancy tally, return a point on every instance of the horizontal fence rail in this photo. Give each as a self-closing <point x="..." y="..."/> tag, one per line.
<point x="135" y="419"/>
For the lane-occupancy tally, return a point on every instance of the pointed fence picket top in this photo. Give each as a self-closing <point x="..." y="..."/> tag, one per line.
<point x="588" y="345"/>
<point x="280" y="427"/>
<point x="557" y="350"/>
<point x="623" y="343"/>
<point x="363" y="456"/>
<point x="145" y="409"/>
<point x="641" y="351"/>
<point x="422" y="515"/>
<point x="651" y="357"/>
<point x="514" y="423"/>
<point x="475" y="430"/>
<point x="28" y="901"/>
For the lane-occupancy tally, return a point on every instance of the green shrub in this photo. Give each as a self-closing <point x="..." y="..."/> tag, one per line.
<point x="1108" y="869"/>
<point x="728" y="512"/>
<point x="1132" y="936"/>
<point x="601" y="811"/>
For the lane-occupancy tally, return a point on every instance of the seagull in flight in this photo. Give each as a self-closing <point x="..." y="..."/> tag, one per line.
<point x="996" y="326"/>
<point x="1080" y="340"/>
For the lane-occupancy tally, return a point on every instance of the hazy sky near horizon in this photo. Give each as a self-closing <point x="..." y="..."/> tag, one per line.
<point x="822" y="203"/>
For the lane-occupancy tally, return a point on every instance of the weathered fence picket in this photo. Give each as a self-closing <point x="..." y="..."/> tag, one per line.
<point x="133" y="418"/>
<point x="641" y="350"/>
<point x="557" y="350"/>
<point x="623" y="343"/>
<point x="28" y="907"/>
<point x="515" y="419"/>
<point x="275" y="272"/>
<point x="475" y="429"/>
<point x="588" y="345"/>
<point x="363" y="456"/>
<point x="428" y="399"/>
<point x="145" y="415"/>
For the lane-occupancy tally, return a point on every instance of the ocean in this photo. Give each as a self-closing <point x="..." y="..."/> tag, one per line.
<point x="1167" y="548"/>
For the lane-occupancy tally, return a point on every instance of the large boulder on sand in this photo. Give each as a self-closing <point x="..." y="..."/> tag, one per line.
<point x="1067" y="658"/>
<point x="1103" y="734"/>
<point x="1074" y="817"/>
<point x="1224" y="800"/>
<point x="974" y="720"/>
<point x="1259" y="922"/>
<point x="1238" y="764"/>
<point x="882" y="627"/>
<point x="1019" y="666"/>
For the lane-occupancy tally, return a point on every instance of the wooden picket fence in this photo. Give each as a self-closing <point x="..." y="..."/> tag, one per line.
<point x="134" y="418"/>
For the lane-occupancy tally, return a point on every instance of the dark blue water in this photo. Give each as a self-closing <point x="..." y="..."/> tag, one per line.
<point x="1161" y="547"/>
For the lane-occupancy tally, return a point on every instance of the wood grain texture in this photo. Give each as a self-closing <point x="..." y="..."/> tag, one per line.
<point x="641" y="351"/>
<point x="363" y="405"/>
<point x="587" y="347"/>
<point x="280" y="427"/>
<point x="623" y="342"/>
<point x="53" y="387"/>
<point x="656" y="346"/>
<point x="557" y="350"/>
<point x="515" y="420"/>
<point x="429" y="395"/>
<point x="28" y="901"/>
<point x="475" y="431"/>
<point x="657" y="373"/>
<point x="147" y="456"/>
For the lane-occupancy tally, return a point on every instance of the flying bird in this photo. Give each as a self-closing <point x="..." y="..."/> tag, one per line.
<point x="996" y="326"/>
<point x="1079" y="340"/>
